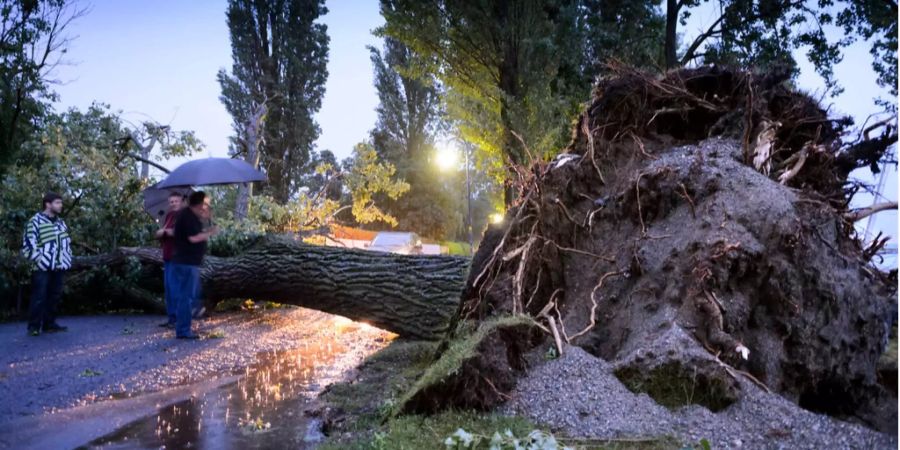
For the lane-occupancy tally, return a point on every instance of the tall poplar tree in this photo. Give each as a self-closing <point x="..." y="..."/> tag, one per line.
<point x="409" y="118"/>
<point x="279" y="55"/>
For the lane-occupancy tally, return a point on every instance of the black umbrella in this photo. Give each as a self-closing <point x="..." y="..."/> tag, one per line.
<point x="207" y="171"/>
<point x="156" y="200"/>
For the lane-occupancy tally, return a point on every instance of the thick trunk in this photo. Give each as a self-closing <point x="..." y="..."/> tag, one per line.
<point x="253" y="135"/>
<point x="672" y="8"/>
<point x="413" y="296"/>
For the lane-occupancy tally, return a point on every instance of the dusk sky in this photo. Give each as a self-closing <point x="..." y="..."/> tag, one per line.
<point x="158" y="61"/>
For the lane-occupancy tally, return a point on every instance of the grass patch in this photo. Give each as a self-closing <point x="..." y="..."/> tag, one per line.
<point x="470" y="430"/>
<point x="424" y="433"/>
<point x="86" y="373"/>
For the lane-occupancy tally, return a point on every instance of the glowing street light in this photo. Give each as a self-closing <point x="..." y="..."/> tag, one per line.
<point x="447" y="156"/>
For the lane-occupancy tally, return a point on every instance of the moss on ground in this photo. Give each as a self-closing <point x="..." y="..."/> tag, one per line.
<point x="673" y="386"/>
<point x="458" y="351"/>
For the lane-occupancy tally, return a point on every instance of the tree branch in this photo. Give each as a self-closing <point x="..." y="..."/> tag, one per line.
<point x="711" y="31"/>
<point x="147" y="161"/>
<point x="859" y="214"/>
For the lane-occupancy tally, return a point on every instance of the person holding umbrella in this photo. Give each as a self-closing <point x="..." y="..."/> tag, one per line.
<point x="166" y="236"/>
<point x="190" y="247"/>
<point x="190" y="237"/>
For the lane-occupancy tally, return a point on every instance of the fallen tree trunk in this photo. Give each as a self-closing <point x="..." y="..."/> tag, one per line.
<point x="413" y="296"/>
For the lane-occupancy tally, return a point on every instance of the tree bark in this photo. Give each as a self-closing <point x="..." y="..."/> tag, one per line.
<point x="411" y="295"/>
<point x="672" y="9"/>
<point x="253" y="136"/>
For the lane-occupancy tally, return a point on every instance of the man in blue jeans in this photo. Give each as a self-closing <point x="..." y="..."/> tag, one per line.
<point x="47" y="244"/>
<point x="190" y="247"/>
<point x="166" y="236"/>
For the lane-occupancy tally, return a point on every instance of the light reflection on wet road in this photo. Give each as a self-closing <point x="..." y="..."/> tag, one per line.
<point x="262" y="410"/>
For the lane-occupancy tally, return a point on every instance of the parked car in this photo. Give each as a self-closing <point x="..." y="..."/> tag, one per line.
<point x="401" y="243"/>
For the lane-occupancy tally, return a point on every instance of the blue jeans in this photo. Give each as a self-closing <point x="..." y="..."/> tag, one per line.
<point x="186" y="287"/>
<point x="171" y="296"/>
<point x="168" y="286"/>
<point x="46" y="290"/>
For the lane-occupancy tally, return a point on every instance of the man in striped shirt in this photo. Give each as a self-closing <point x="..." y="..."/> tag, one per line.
<point x="46" y="244"/>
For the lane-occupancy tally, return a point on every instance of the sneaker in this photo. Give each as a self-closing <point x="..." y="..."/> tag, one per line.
<point x="54" y="328"/>
<point x="168" y="325"/>
<point x="34" y="332"/>
<point x="189" y="337"/>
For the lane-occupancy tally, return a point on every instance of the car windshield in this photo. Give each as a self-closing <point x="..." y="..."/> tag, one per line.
<point x="391" y="239"/>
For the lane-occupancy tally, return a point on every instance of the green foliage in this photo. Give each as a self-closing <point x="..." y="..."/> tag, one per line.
<point x="279" y="53"/>
<point x="32" y="42"/>
<point x="534" y="440"/>
<point x="764" y="34"/>
<point x="83" y="156"/>
<point x="625" y="30"/>
<point x="366" y="177"/>
<point x="876" y="22"/>
<point x="77" y="155"/>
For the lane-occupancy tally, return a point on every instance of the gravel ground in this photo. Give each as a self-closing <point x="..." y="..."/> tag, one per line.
<point x="103" y="357"/>
<point x="579" y="396"/>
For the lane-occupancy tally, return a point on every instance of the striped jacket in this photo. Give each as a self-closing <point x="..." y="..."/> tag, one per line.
<point x="46" y="243"/>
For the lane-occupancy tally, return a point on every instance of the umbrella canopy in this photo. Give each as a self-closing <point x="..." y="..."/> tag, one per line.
<point x="201" y="172"/>
<point x="156" y="200"/>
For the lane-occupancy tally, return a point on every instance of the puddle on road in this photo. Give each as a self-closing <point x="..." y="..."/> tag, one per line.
<point x="261" y="410"/>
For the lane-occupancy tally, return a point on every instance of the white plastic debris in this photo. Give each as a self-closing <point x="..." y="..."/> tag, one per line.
<point x="744" y="351"/>
<point x="563" y="159"/>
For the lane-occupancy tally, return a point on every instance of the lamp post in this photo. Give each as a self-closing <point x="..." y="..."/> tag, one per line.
<point x="446" y="159"/>
<point x="466" y="150"/>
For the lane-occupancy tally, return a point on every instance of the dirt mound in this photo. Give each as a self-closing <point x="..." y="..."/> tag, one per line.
<point x="696" y="229"/>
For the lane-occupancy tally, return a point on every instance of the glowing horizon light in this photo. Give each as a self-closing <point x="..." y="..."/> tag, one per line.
<point x="496" y="218"/>
<point x="446" y="156"/>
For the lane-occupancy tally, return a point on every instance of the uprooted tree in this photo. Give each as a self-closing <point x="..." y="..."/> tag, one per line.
<point x="696" y="230"/>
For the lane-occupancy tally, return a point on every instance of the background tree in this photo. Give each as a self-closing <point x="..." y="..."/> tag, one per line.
<point x="280" y="54"/>
<point x="409" y="120"/>
<point x="32" y="41"/>
<point x="626" y="30"/>
<point x="765" y="33"/>
<point x="512" y="76"/>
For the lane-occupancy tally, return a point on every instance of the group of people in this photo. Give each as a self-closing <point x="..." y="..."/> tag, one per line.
<point x="183" y="236"/>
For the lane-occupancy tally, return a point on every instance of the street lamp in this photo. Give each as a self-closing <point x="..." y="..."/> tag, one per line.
<point x="446" y="158"/>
